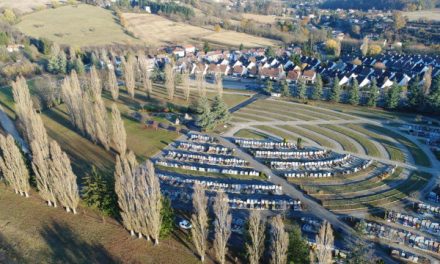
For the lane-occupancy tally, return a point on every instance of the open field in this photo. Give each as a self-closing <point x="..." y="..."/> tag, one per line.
<point x="432" y="14"/>
<point x="232" y="38"/>
<point x="24" y="6"/>
<point x="32" y="231"/>
<point x="157" y="30"/>
<point x="81" y="25"/>
<point x="266" y="19"/>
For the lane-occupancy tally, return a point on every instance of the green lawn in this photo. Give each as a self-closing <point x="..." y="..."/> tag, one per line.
<point x="352" y="187"/>
<point x="416" y="182"/>
<point x="248" y="133"/>
<point x="307" y="135"/>
<point x="278" y="133"/>
<point x="418" y="154"/>
<point x="391" y="147"/>
<point x="81" y="25"/>
<point x="346" y="145"/>
<point x="369" y="147"/>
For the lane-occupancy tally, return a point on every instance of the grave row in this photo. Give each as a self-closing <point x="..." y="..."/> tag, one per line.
<point x="208" y="149"/>
<point x="215" y="185"/>
<point x="272" y="202"/>
<point x="402" y="236"/>
<point x="260" y="144"/>
<point x="325" y="174"/>
<point x="287" y="165"/>
<point x="273" y="154"/>
<point x="203" y="159"/>
<point x="202" y="138"/>
<point x="230" y="171"/>
<point x="428" y="209"/>
<point x="414" y="222"/>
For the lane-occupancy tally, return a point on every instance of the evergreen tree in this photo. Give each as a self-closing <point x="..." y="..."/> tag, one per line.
<point x="99" y="193"/>
<point x="317" y="89"/>
<point x="167" y="214"/>
<point x="302" y="90"/>
<point x="206" y="47"/>
<point x="79" y="66"/>
<point x="434" y="96"/>
<point x="219" y="111"/>
<point x="414" y="94"/>
<point x="335" y="94"/>
<point x="353" y="96"/>
<point x="393" y="97"/>
<point x="204" y="118"/>
<point x="62" y="62"/>
<point x="241" y="47"/>
<point x="374" y="94"/>
<point x="285" y="90"/>
<point x="270" y="53"/>
<point x="298" y="251"/>
<point x="268" y="86"/>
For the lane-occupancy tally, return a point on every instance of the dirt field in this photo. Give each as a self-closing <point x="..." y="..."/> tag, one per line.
<point x="24" y="6"/>
<point x="262" y="18"/>
<point x="156" y="30"/>
<point x="82" y="25"/>
<point x="433" y="14"/>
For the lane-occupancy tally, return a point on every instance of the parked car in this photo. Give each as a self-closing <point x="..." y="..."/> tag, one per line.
<point x="185" y="224"/>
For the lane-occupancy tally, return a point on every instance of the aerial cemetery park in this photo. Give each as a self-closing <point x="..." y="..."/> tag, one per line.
<point x="181" y="155"/>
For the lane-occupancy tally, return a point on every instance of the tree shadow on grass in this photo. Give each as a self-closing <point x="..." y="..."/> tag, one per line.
<point x="67" y="247"/>
<point x="8" y="252"/>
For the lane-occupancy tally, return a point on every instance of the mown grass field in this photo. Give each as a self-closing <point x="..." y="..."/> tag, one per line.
<point x="32" y="232"/>
<point x="416" y="181"/>
<point x="251" y="134"/>
<point x="81" y="25"/>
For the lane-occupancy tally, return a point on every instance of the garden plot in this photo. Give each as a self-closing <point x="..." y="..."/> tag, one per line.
<point x="201" y="159"/>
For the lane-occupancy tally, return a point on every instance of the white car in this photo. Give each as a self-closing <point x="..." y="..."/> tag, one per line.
<point x="185" y="224"/>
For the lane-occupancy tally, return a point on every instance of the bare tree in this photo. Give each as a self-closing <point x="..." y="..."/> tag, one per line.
<point x="129" y="75"/>
<point x="154" y="203"/>
<point x="279" y="241"/>
<point x="147" y="84"/>
<point x="222" y="226"/>
<point x="37" y="137"/>
<point x="125" y="190"/>
<point x="201" y="85"/>
<point x="63" y="178"/>
<point x="12" y="166"/>
<point x="219" y="83"/>
<point x="256" y="231"/>
<point x="427" y="81"/>
<point x="186" y="85"/>
<point x="23" y="105"/>
<point x="73" y="98"/>
<point x="170" y="81"/>
<point x="324" y="243"/>
<point x="95" y="84"/>
<point x="199" y="220"/>
<point x="119" y="136"/>
<point x="365" y="46"/>
<point x="113" y="84"/>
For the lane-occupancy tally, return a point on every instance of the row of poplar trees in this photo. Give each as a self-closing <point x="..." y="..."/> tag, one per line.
<point x="54" y="177"/>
